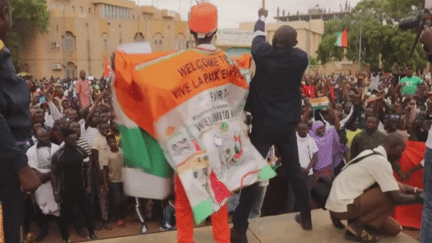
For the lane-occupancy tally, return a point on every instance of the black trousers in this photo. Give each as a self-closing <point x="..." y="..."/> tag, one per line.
<point x="265" y="134"/>
<point x="13" y="206"/>
<point x="69" y="200"/>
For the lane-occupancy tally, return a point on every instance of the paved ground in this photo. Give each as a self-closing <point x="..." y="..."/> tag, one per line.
<point x="273" y="229"/>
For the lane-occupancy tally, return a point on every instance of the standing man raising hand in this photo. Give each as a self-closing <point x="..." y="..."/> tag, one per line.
<point x="275" y="104"/>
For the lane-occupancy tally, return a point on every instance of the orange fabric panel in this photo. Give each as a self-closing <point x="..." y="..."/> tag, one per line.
<point x="147" y="91"/>
<point x="244" y="61"/>
<point x="410" y="215"/>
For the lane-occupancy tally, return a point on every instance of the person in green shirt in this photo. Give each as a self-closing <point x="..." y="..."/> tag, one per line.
<point x="410" y="83"/>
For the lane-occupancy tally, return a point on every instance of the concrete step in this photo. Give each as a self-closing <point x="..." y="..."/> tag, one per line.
<point x="273" y="229"/>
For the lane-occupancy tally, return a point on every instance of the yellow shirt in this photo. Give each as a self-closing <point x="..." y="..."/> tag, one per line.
<point x="350" y="136"/>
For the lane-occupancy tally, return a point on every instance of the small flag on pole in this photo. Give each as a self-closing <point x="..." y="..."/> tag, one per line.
<point x="319" y="103"/>
<point x="342" y="39"/>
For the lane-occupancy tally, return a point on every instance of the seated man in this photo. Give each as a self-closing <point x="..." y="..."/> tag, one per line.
<point x="366" y="192"/>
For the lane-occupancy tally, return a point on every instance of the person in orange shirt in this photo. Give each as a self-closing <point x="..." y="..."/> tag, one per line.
<point x="83" y="90"/>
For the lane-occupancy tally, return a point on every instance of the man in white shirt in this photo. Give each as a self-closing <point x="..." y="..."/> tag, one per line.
<point x="366" y="192"/>
<point x="308" y="155"/>
<point x="39" y="158"/>
<point x="308" y="152"/>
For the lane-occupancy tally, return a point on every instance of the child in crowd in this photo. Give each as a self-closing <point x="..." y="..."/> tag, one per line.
<point x="308" y="152"/>
<point x="112" y="174"/>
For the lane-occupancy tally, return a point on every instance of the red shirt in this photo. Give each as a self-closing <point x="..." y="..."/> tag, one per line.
<point x="308" y="91"/>
<point x="83" y="92"/>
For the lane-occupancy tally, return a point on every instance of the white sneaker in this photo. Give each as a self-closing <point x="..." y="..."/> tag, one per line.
<point x="166" y="226"/>
<point x="144" y="229"/>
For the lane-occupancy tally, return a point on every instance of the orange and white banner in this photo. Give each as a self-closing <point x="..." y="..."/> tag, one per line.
<point x="191" y="102"/>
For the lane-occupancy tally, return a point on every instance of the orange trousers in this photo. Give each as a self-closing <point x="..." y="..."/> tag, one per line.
<point x="185" y="221"/>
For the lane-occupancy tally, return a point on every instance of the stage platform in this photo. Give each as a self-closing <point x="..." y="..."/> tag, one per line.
<point x="273" y="229"/>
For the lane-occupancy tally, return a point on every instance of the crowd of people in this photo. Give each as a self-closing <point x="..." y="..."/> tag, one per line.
<point x="74" y="119"/>
<point x="76" y="145"/>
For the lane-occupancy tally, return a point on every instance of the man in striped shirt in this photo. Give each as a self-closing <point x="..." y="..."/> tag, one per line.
<point x="82" y="142"/>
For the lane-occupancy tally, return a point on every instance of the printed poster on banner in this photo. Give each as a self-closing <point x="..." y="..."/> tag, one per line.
<point x="193" y="101"/>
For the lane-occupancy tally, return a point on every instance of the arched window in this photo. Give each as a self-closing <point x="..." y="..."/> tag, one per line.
<point x="105" y="38"/>
<point x="139" y="37"/>
<point x="158" y="42"/>
<point x="69" y="42"/>
<point x="181" y="42"/>
<point x="71" y="70"/>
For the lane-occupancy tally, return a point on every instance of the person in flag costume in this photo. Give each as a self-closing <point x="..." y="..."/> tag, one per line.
<point x="191" y="102"/>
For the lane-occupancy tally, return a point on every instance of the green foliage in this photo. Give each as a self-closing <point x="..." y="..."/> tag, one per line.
<point x="28" y="18"/>
<point x="379" y="35"/>
<point x="313" y="61"/>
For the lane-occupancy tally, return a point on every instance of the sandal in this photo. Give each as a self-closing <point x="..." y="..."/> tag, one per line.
<point x="363" y="237"/>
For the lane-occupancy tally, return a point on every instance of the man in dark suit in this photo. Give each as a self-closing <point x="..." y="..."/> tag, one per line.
<point x="15" y="136"/>
<point x="275" y="104"/>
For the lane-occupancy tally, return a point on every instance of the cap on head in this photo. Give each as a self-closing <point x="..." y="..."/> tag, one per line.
<point x="285" y="36"/>
<point x="203" y="19"/>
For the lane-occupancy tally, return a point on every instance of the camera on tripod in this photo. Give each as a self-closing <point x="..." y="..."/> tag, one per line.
<point x="423" y="18"/>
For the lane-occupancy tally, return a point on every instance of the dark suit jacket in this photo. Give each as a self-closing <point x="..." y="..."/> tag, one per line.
<point x="275" y="89"/>
<point x="14" y="115"/>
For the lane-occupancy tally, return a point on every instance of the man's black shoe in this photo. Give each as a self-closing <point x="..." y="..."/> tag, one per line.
<point x="305" y="225"/>
<point x="82" y="232"/>
<point x="237" y="237"/>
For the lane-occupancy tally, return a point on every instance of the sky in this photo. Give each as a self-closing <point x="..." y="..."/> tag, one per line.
<point x="233" y="12"/>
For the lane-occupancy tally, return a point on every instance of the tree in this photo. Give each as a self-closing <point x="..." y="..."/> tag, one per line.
<point x="28" y="17"/>
<point x="380" y="37"/>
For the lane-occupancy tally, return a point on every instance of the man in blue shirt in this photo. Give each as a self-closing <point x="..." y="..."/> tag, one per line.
<point x="15" y="174"/>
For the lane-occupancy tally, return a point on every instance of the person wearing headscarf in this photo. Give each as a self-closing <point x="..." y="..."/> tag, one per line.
<point x="328" y="146"/>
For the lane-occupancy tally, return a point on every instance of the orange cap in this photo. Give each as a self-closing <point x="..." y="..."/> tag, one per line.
<point x="203" y="18"/>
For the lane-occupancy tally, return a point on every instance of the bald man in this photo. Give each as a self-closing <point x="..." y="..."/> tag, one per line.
<point x="366" y="192"/>
<point x="15" y="137"/>
<point x="275" y="104"/>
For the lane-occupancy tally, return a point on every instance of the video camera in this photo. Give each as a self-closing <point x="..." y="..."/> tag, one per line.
<point x="423" y="18"/>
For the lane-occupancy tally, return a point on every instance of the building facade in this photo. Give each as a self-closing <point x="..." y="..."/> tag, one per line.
<point x="309" y="33"/>
<point x="82" y="33"/>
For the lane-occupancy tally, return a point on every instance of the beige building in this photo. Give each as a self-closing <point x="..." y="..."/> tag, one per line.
<point x="81" y="33"/>
<point x="309" y="33"/>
